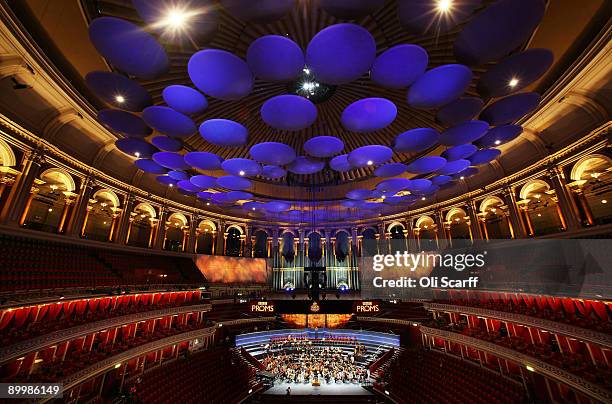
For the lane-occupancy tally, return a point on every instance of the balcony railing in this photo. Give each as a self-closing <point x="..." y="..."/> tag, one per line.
<point x="576" y="382"/>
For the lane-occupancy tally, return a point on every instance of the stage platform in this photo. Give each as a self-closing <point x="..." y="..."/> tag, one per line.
<point x="300" y="389"/>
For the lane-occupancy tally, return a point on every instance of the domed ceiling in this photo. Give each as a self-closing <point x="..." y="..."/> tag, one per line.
<point x="265" y="107"/>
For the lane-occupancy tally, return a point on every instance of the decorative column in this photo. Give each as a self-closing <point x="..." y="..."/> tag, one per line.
<point x="75" y="224"/>
<point x="485" y="232"/>
<point x="129" y="228"/>
<point x="160" y="237"/>
<point x="578" y="192"/>
<point x="116" y="215"/>
<point x="20" y="192"/>
<point x="473" y="214"/>
<point x="8" y="176"/>
<point x="154" y="230"/>
<point x="525" y="209"/>
<point x="214" y="242"/>
<point x="124" y="221"/>
<point x="220" y="240"/>
<point x="28" y="202"/>
<point x="514" y="214"/>
<point x="88" y="209"/>
<point x="411" y="244"/>
<point x="185" y="238"/>
<point x="68" y="201"/>
<point x="193" y="226"/>
<point x="243" y="239"/>
<point x="567" y="204"/>
<point x="440" y="229"/>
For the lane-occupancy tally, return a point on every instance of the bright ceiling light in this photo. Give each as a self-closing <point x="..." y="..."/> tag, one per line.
<point x="176" y="18"/>
<point x="604" y="201"/>
<point x="137" y="154"/>
<point x="513" y="82"/>
<point x="241" y="173"/>
<point x="423" y="198"/>
<point x="120" y="99"/>
<point x="306" y="70"/>
<point x="444" y="6"/>
<point x="252" y="208"/>
<point x="207" y="203"/>
<point x="370" y="162"/>
<point x="170" y="185"/>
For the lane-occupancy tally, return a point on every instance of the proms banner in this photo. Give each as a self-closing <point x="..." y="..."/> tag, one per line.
<point x="223" y="269"/>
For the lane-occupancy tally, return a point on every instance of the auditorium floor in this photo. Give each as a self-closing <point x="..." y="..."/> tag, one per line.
<point x="322" y="390"/>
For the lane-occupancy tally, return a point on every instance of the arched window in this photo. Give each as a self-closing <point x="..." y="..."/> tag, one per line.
<point x="341" y="249"/>
<point x="205" y="237"/>
<point x="260" y="247"/>
<point x="102" y="217"/>
<point x="140" y="231"/>
<point x="176" y="232"/>
<point x="315" y="253"/>
<point x="50" y="203"/>
<point x="233" y="242"/>
<point x="287" y="248"/>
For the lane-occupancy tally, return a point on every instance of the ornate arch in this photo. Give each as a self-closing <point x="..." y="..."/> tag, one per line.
<point x="61" y="176"/>
<point x="490" y="201"/>
<point x="234" y="226"/>
<point x="396" y="223"/>
<point x="532" y="186"/>
<point x="208" y="223"/>
<point x="109" y="195"/>
<point x="450" y="215"/>
<point x="7" y="157"/>
<point x="146" y="207"/>
<point x="422" y="220"/>
<point x="178" y="217"/>
<point x="588" y="162"/>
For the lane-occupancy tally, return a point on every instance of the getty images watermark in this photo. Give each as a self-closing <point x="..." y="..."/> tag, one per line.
<point x="392" y="267"/>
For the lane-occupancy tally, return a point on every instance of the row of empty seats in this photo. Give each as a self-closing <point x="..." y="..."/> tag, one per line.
<point x="30" y="264"/>
<point x="28" y="322"/>
<point x="212" y="377"/>
<point x="420" y="376"/>
<point x="573" y="316"/>
<point x="573" y="362"/>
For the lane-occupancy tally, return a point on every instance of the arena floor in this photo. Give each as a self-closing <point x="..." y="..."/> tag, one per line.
<point x="344" y="389"/>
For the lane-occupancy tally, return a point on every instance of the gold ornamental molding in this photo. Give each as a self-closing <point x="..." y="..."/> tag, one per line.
<point x="22" y="348"/>
<point x="394" y="321"/>
<point x="576" y="382"/>
<point x="556" y="327"/>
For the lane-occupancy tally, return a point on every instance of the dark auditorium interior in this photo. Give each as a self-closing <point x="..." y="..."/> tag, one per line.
<point x="300" y="201"/>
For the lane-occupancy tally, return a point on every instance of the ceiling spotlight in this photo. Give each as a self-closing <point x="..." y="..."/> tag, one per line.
<point x="513" y="82"/>
<point x="252" y="208"/>
<point x="170" y="185"/>
<point x="120" y="99"/>
<point x="383" y="197"/>
<point x="539" y="215"/>
<point x="176" y="18"/>
<point x="104" y="222"/>
<point x="241" y="173"/>
<point x="604" y="201"/>
<point x="306" y="70"/>
<point x="50" y="209"/>
<point x="497" y="142"/>
<point x="423" y="198"/>
<point x="462" y="177"/>
<point x="444" y="6"/>
<point x="370" y="162"/>
<point x="207" y="203"/>
<point x="137" y="154"/>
